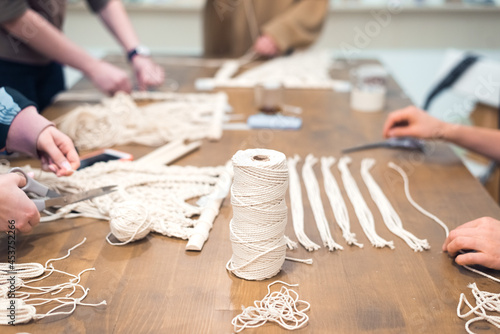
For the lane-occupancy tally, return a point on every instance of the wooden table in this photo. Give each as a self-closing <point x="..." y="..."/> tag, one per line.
<point x="155" y="286"/>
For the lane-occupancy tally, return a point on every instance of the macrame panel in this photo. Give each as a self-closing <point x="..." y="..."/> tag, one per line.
<point x="159" y="194"/>
<point x="120" y="121"/>
<point x="307" y="69"/>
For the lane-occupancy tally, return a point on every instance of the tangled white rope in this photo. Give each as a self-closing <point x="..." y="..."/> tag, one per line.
<point x="282" y="307"/>
<point x="314" y="196"/>
<point x="337" y="201"/>
<point x="485" y="301"/>
<point x="119" y="121"/>
<point x="297" y="206"/>
<point x="363" y="213"/>
<point x="149" y="198"/>
<point x="257" y="229"/>
<point x="17" y="304"/>
<point x="390" y="216"/>
<point x="303" y="69"/>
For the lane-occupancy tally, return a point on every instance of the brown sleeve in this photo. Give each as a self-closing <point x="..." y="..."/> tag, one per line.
<point x="10" y="10"/>
<point x="97" y="5"/>
<point x="299" y="26"/>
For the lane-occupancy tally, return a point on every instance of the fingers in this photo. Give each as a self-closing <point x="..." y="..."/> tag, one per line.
<point x="31" y="220"/>
<point x="19" y="180"/>
<point x="265" y="45"/>
<point x="464" y="242"/>
<point x="483" y="228"/>
<point x="468" y="259"/>
<point x="398" y="116"/>
<point x="148" y="73"/>
<point x="58" y="154"/>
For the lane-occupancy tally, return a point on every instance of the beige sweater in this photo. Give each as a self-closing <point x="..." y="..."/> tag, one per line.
<point x="228" y="26"/>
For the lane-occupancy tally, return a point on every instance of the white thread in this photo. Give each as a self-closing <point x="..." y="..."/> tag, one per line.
<point x="430" y="215"/>
<point x="297" y="206"/>
<point x="129" y="221"/>
<point x="163" y="190"/>
<point x="485" y="301"/>
<point x="314" y="196"/>
<point x="410" y="199"/>
<point x="363" y="213"/>
<point x="282" y="307"/>
<point x="259" y="214"/>
<point x="119" y="121"/>
<point x="303" y="69"/>
<point x="14" y="293"/>
<point x="23" y="312"/>
<point x="337" y="201"/>
<point x="389" y="215"/>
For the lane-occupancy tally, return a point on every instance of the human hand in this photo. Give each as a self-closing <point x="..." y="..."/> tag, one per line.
<point x="15" y="205"/>
<point x="482" y="236"/>
<point x="413" y="122"/>
<point x="147" y="72"/>
<point x="109" y="78"/>
<point x="57" y="152"/>
<point x="266" y="46"/>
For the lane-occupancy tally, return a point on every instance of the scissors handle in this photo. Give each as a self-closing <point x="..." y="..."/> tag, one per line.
<point x="40" y="204"/>
<point x="31" y="185"/>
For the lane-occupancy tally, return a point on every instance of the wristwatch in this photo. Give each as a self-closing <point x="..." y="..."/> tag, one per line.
<point x="139" y="50"/>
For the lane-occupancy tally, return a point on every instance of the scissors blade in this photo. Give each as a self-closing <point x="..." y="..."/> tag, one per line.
<point x="364" y="147"/>
<point x="74" y="198"/>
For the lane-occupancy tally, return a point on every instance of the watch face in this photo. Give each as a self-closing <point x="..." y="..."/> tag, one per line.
<point x="143" y="51"/>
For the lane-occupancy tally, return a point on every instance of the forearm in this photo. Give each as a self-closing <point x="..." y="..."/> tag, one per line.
<point x="117" y="21"/>
<point x="481" y="140"/>
<point x="39" y="34"/>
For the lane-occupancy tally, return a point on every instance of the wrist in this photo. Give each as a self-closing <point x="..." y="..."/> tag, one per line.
<point x="139" y="50"/>
<point x="90" y="67"/>
<point x="447" y="131"/>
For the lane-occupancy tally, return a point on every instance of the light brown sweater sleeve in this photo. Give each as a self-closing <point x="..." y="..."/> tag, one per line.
<point x="299" y="26"/>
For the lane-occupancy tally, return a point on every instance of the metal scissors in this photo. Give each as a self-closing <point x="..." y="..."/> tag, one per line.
<point x="408" y="143"/>
<point x="52" y="198"/>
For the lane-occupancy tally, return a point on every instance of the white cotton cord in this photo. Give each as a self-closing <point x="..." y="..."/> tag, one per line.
<point x="362" y="211"/>
<point x="163" y="190"/>
<point x="431" y="216"/>
<point x="119" y="120"/>
<point x="485" y="302"/>
<point x="297" y="206"/>
<point x="337" y="201"/>
<point x="282" y="307"/>
<point x="23" y="313"/>
<point x="410" y="199"/>
<point x="67" y="255"/>
<point x="20" y="270"/>
<point x="314" y="196"/>
<point x="302" y="69"/>
<point x="290" y="244"/>
<point x="23" y="301"/>
<point x="257" y="229"/>
<point x="129" y="221"/>
<point x="389" y="215"/>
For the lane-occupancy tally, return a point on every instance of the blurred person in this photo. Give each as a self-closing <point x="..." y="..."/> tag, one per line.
<point x="32" y="49"/>
<point x="271" y="28"/>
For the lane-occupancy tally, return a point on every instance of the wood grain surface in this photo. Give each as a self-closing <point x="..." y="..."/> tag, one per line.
<point x="155" y="286"/>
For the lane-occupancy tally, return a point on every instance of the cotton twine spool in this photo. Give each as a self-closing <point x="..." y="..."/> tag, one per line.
<point x="257" y="230"/>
